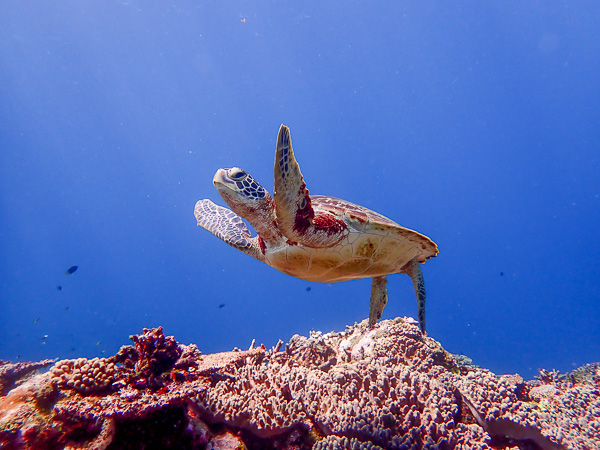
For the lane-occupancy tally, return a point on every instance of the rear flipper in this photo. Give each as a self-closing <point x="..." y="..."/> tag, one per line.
<point x="378" y="299"/>
<point x="413" y="269"/>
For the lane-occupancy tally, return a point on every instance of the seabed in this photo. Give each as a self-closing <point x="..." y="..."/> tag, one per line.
<point x="389" y="387"/>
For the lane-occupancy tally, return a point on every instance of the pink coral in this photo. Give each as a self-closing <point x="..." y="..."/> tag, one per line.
<point x="387" y="387"/>
<point x="24" y="422"/>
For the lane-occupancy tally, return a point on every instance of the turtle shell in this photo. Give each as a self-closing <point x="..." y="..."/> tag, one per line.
<point x="373" y="245"/>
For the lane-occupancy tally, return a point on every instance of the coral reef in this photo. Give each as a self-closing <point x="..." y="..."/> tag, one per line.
<point x="10" y="373"/>
<point x="384" y="388"/>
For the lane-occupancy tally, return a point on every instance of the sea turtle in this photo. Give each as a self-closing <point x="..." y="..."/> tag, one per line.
<point x="314" y="237"/>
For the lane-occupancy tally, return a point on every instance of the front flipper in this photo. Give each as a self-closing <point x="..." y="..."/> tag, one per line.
<point x="413" y="269"/>
<point x="378" y="299"/>
<point x="228" y="226"/>
<point x="295" y="215"/>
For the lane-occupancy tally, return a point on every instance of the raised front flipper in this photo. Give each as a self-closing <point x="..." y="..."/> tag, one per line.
<point x="413" y="269"/>
<point x="295" y="215"/>
<point x="228" y="226"/>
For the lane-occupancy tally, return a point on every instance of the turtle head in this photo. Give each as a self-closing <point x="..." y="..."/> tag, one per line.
<point x="244" y="195"/>
<point x="239" y="186"/>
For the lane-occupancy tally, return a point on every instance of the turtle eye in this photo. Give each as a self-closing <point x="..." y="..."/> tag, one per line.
<point x="237" y="175"/>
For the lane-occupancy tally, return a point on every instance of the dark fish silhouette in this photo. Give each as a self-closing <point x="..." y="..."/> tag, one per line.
<point x="71" y="270"/>
<point x="59" y="288"/>
<point x="221" y="305"/>
<point x="308" y="289"/>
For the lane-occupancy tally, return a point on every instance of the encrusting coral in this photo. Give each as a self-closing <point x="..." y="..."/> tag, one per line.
<point x="388" y="387"/>
<point x="10" y="373"/>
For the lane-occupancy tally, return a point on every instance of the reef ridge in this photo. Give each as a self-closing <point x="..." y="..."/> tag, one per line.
<point x="389" y="387"/>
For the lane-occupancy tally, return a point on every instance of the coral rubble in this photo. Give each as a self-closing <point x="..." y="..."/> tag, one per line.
<point x="384" y="388"/>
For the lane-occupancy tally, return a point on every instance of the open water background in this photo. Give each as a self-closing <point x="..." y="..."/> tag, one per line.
<point x="475" y="123"/>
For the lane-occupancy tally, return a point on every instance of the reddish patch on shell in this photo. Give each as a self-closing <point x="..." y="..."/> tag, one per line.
<point x="361" y="217"/>
<point x="261" y="243"/>
<point x="329" y="224"/>
<point x="288" y="242"/>
<point x="322" y="223"/>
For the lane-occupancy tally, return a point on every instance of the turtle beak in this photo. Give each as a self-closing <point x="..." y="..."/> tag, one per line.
<point x="220" y="177"/>
<point x="225" y="186"/>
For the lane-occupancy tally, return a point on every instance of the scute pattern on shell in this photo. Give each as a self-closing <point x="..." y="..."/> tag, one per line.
<point x="372" y="245"/>
<point x="365" y="220"/>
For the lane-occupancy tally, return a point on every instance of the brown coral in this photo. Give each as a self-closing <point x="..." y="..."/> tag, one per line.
<point x="83" y="375"/>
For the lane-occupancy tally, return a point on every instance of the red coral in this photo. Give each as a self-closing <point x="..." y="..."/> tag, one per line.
<point x="156" y="354"/>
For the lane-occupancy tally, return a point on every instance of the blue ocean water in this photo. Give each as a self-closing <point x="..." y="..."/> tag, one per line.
<point x="474" y="123"/>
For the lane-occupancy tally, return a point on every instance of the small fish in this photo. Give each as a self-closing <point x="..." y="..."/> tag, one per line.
<point x="222" y="305"/>
<point x="59" y="288"/>
<point x="71" y="270"/>
<point x="36" y="320"/>
<point x="308" y="289"/>
<point x="66" y="308"/>
<point x="501" y="274"/>
<point x="44" y="337"/>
